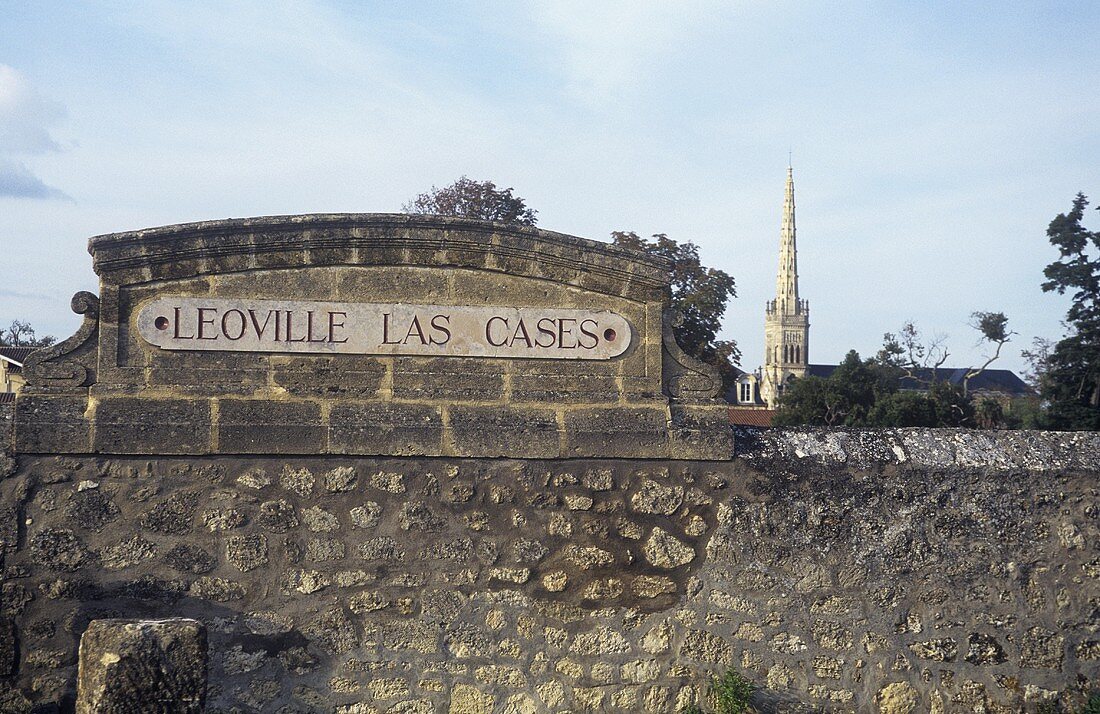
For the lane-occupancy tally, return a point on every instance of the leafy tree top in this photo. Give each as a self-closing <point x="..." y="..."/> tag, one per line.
<point x="699" y="293"/>
<point x="474" y="199"/>
<point x="1078" y="268"/>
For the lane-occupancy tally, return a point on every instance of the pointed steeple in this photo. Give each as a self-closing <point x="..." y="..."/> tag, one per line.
<point x="787" y="317"/>
<point x="786" y="282"/>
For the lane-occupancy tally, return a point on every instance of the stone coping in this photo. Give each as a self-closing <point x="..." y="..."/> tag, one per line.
<point x="924" y="448"/>
<point x="369" y="234"/>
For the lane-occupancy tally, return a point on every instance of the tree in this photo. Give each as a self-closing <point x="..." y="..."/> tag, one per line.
<point x="1071" y="382"/>
<point x="474" y="199"/>
<point x="919" y="360"/>
<point x="700" y="295"/>
<point x="914" y="357"/>
<point x="904" y="409"/>
<point x="21" y="334"/>
<point x="993" y="327"/>
<point x="866" y="393"/>
<point x="844" y="398"/>
<point x="1038" y="361"/>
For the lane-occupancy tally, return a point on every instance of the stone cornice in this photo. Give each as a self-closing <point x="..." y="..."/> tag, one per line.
<point x="272" y="242"/>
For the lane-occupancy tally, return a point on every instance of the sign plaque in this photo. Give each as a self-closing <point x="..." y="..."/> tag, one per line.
<point x="246" y="325"/>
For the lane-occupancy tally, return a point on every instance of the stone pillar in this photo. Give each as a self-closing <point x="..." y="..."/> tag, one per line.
<point x="155" y="666"/>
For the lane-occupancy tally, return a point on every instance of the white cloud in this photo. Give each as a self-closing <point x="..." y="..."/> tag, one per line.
<point x="25" y="120"/>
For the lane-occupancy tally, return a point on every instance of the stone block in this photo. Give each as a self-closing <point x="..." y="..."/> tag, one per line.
<point x="372" y="284"/>
<point x="51" y="424"/>
<point x="504" y="431"/>
<point x="385" y="429"/>
<point x="700" y="432"/>
<point x="208" y="383"/>
<point x="260" y="426"/>
<point x="343" y="376"/>
<point x="142" y="666"/>
<point x="564" y="389"/>
<point x="145" y="425"/>
<point x="617" y="432"/>
<point x="448" y="379"/>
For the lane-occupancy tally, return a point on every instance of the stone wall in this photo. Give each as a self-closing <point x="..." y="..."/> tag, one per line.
<point x="902" y="571"/>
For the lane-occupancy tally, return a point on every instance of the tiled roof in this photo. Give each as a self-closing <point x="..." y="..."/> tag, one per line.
<point x="751" y="417"/>
<point x="16" y="354"/>
<point x="7" y="397"/>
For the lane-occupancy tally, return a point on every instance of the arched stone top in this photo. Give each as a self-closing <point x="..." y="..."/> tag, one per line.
<point x="239" y="244"/>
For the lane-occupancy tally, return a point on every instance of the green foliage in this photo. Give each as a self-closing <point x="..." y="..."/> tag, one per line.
<point x="1092" y="706"/>
<point x="1069" y="380"/>
<point x="953" y="406"/>
<point x="474" y="199"/>
<point x="863" y="393"/>
<point x="846" y="398"/>
<point x="903" y="408"/>
<point x="21" y="334"/>
<point x="993" y="326"/>
<point x="729" y="694"/>
<point x="699" y="294"/>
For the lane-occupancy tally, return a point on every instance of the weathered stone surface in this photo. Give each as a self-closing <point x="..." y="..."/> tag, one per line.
<point x="664" y="550"/>
<point x="466" y="699"/>
<point x="189" y="558"/>
<point x="366" y="516"/>
<point x="984" y="649"/>
<point x="898" y="698"/>
<point x="298" y="480"/>
<point x="60" y="549"/>
<point x="824" y="583"/>
<point x="246" y="552"/>
<point x="603" y="641"/>
<point x="654" y="497"/>
<point x="91" y="509"/>
<point x="416" y="516"/>
<point x="512" y="432"/>
<point x="277" y="516"/>
<point x="127" y="553"/>
<point x="8" y="657"/>
<point x="704" y="646"/>
<point x="129" y="425"/>
<point x="1041" y="648"/>
<point x="174" y="515"/>
<point x="217" y="589"/>
<point x="256" y="426"/>
<point x="150" y="665"/>
<point x="588" y="557"/>
<point x="340" y="479"/>
<point x="387" y="428"/>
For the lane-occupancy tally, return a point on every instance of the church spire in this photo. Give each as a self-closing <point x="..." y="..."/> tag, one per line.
<point x="787" y="317"/>
<point x="786" y="282"/>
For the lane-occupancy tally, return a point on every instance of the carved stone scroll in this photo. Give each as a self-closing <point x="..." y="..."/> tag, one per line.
<point x="47" y="368"/>
<point x="687" y="379"/>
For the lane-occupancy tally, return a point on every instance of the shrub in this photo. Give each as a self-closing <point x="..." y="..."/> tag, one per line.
<point x="729" y="693"/>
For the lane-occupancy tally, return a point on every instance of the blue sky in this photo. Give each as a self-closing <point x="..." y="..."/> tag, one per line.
<point x="932" y="142"/>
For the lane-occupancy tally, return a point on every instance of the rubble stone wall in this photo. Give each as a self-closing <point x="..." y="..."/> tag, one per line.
<point x="894" y="571"/>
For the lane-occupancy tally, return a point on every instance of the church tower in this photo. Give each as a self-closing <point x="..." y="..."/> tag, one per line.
<point x="787" y="318"/>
